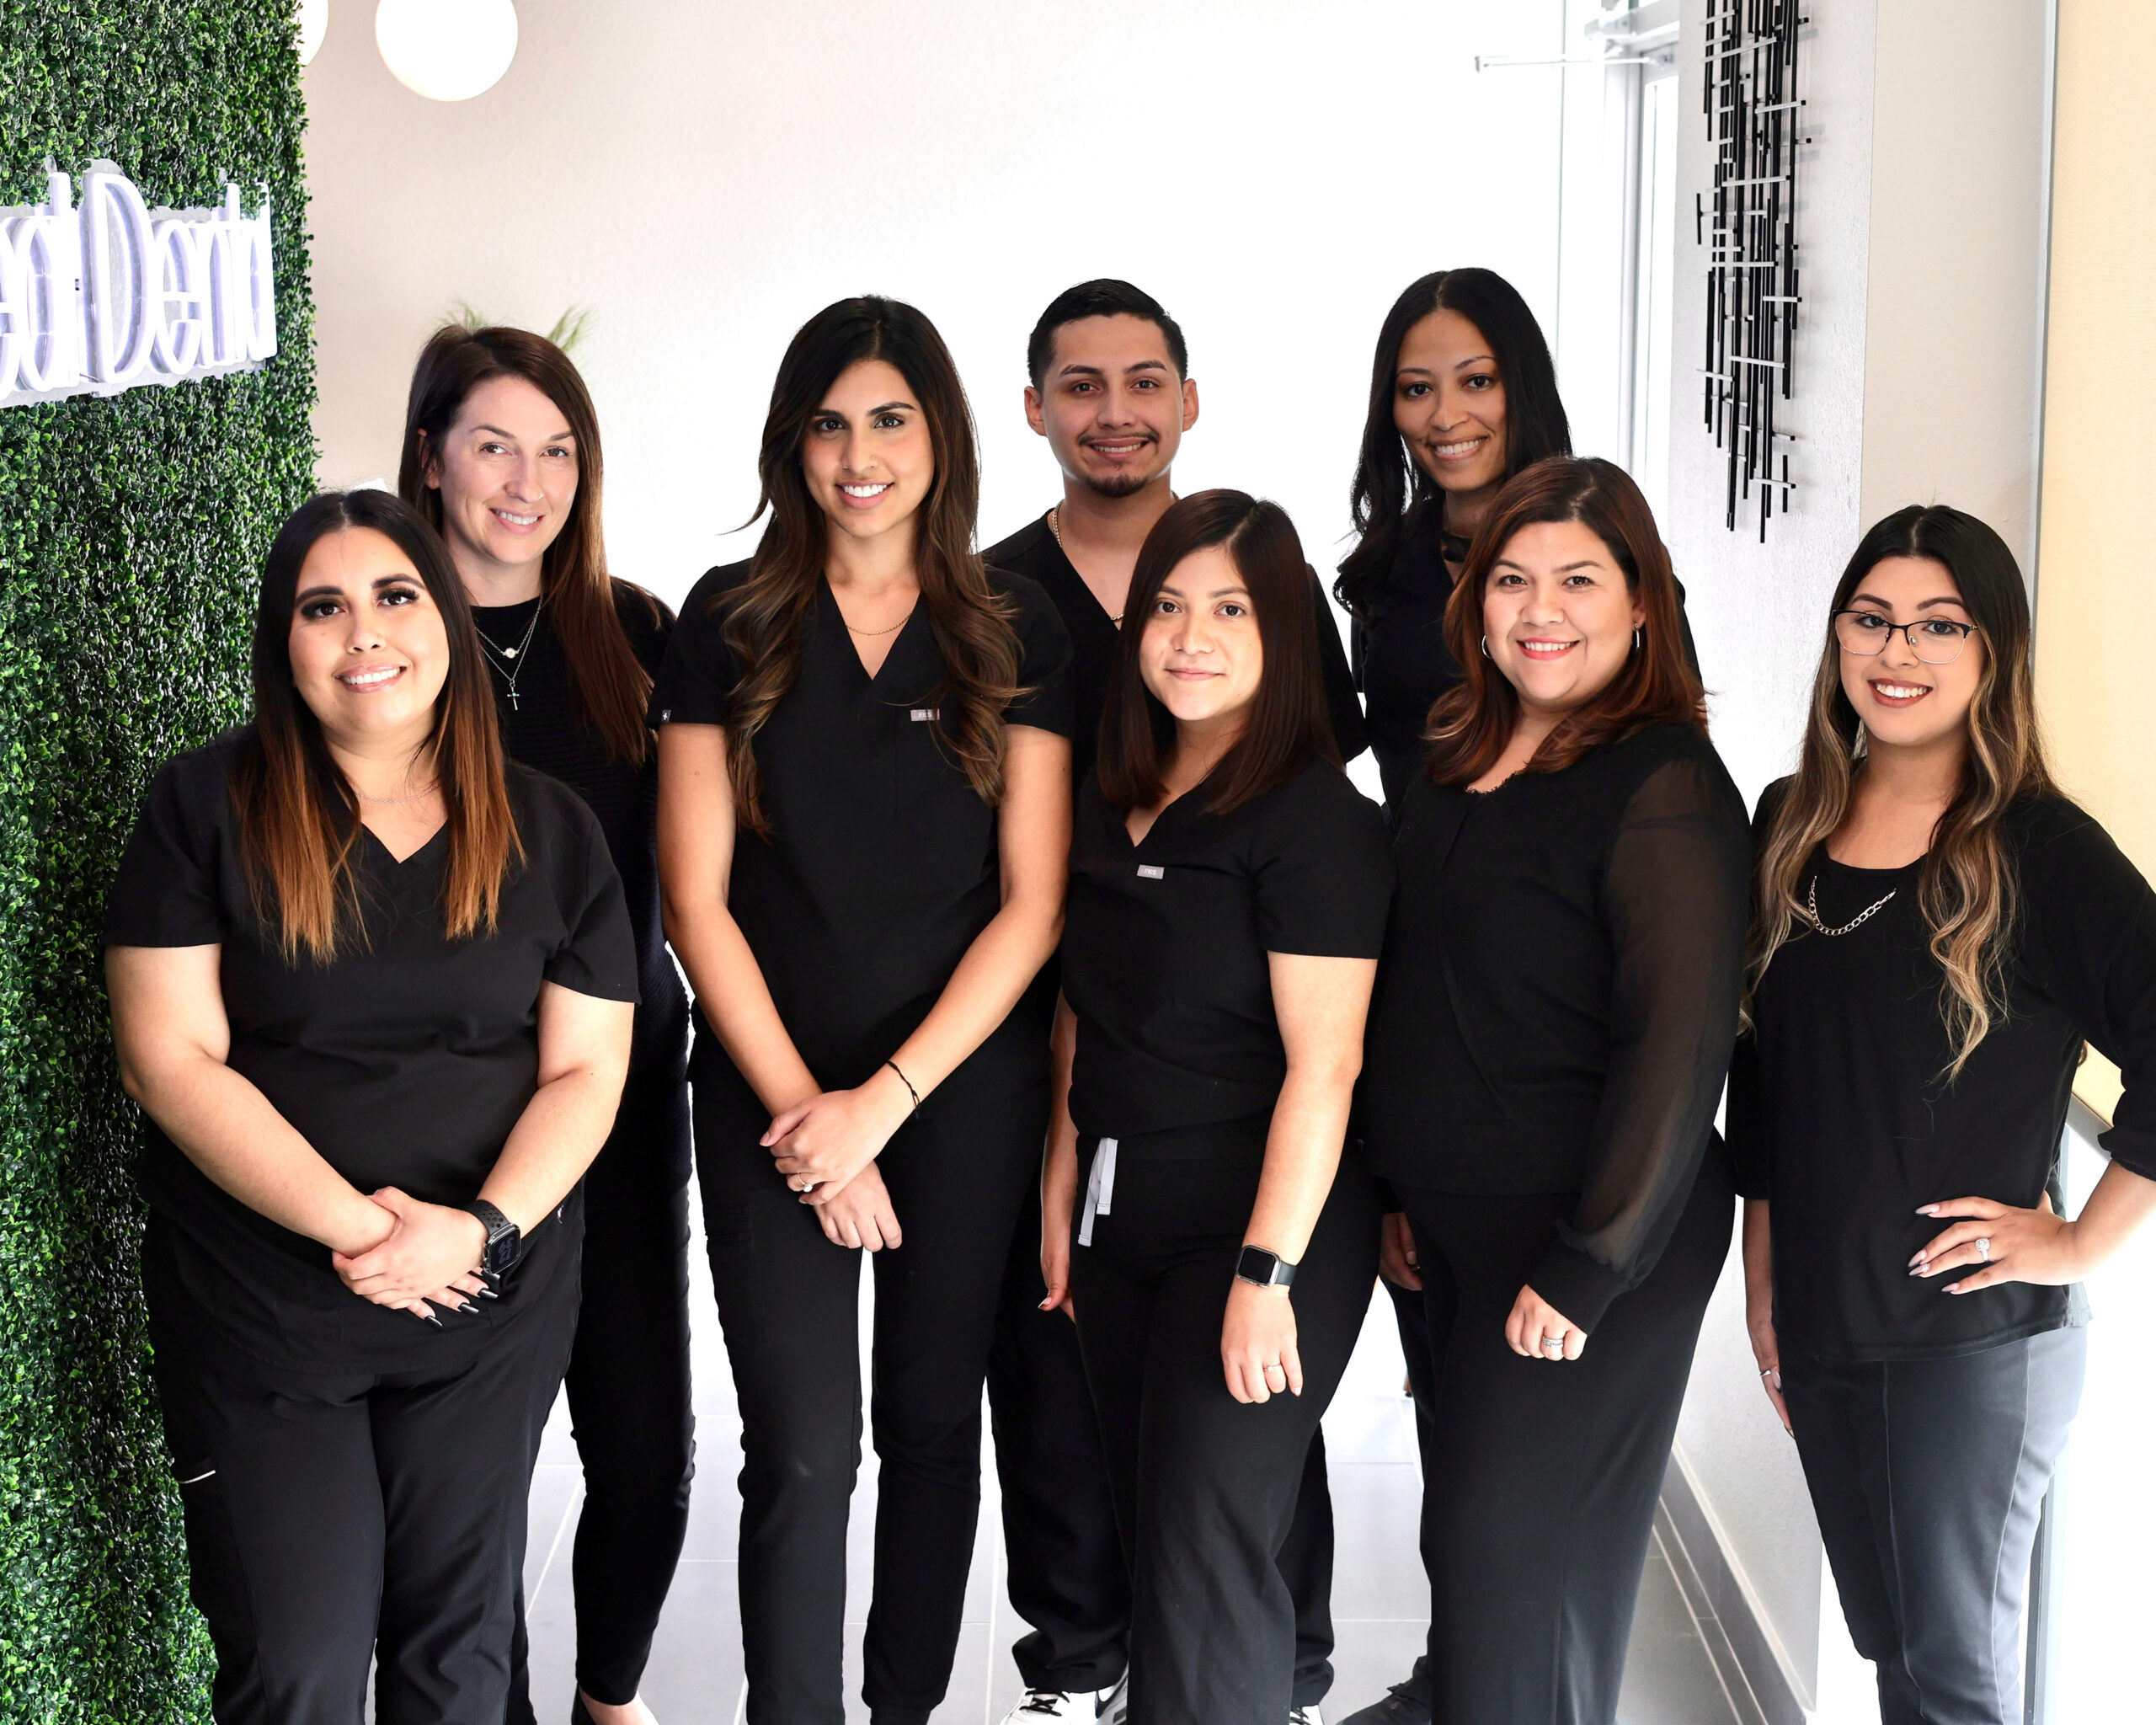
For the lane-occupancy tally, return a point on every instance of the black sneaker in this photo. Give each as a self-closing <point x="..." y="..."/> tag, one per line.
<point x="1397" y="1708"/>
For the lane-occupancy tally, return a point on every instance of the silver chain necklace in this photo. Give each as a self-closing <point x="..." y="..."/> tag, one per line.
<point x="1811" y="909"/>
<point x="517" y="652"/>
<point x="392" y="802"/>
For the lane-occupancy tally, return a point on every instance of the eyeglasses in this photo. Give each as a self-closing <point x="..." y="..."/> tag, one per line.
<point x="1935" y="640"/>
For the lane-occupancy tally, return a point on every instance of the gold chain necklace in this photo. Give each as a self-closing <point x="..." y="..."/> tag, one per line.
<point x="1055" y="529"/>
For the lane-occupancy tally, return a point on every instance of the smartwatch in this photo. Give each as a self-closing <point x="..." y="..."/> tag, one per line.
<point x="504" y="1244"/>
<point x="1262" y="1268"/>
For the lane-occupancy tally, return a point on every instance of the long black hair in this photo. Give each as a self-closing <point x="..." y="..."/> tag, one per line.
<point x="1389" y="486"/>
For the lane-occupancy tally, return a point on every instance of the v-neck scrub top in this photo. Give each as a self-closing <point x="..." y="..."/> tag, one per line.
<point x="1559" y="998"/>
<point x="1034" y="553"/>
<point x="406" y="1062"/>
<point x="1164" y="944"/>
<point x="881" y="866"/>
<point x="1838" y="1114"/>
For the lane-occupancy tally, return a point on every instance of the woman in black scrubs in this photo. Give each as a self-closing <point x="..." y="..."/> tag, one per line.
<point x="1938" y="933"/>
<point x="1551" y="1029"/>
<point x="501" y="456"/>
<point x="373" y="991"/>
<point x="864" y="818"/>
<point x="1228" y="901"/>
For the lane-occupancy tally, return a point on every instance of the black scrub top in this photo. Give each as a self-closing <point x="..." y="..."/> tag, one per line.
<point x="404" y="1063"/>
<point x="1838" y="1114"/>
<point x="1164" y="944"/>
<point x="1401" y="663"/>
<point x="882" y="865"/>
<point x="1559" y="995"/>
<point x="1034" y="552"/>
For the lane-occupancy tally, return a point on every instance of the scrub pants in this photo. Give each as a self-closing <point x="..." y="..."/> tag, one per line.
<point x="1068" y="1578"/>
<point x="1928" y="1476"/>
<point x="629" y="1390"/>
<point x="1206" y="1487"/>
<point x="1539" y="1498"/>
<point x="788" y="1302"/>
<point x="335" y="1518"/>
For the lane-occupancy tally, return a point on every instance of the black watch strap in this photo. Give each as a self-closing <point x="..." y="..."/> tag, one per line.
<point x="504" y="1244"/>
<point x="1263" y="1268"/>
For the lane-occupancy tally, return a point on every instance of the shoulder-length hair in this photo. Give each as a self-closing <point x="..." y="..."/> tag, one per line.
<point x="298" y="815"/>
<point x="1288" y="726"/>
<point x="1471" y="723"/>
<point x="766" y="618"/>
<point x="1389" y="486"/>
<point x="608" y="686"/>
<point x="1967" y="891"/>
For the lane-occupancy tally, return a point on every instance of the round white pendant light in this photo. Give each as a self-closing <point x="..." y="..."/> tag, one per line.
<point x="314" y="26"/>
<point x="446" y="49"/>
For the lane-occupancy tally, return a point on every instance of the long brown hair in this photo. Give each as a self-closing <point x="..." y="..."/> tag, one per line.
<point x="766" y="618"/>
<point x="608" y="687"/>
<point x="1472" y="723"/>
<point x="1967" y="892"/>
<point x="1289" y="725"/>
<point x="297" y="814"/>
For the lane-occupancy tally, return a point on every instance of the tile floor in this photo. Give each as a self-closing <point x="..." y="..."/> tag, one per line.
<point x="1381" y="1603"/>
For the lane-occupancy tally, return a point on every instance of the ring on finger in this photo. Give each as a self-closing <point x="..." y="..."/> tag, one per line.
<point x="1553" y="1344"/>
<point x="1984" y="1248"/>
<point x="1274" y="1366"/>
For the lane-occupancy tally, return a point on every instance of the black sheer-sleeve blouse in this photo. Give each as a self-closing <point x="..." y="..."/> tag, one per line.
<point x="1840" y="1112"/>
<point x="1559" y="995"/>
<point x="405" y="1062"/>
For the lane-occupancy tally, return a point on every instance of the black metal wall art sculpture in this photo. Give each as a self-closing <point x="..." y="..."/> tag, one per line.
<point x="1749" y="223"/>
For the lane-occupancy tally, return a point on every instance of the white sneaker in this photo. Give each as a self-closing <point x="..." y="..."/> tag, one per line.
<point x="1305" y="1715"/>
<point x="1107" y="1706"/>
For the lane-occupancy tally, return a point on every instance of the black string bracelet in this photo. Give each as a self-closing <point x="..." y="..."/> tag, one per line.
<point x="905" y="1081"/>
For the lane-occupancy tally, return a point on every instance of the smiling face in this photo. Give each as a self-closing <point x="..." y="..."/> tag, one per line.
<point x="869" y="457"/>
<point x="1111" y="405"/>
<point x="1200" y="654"/>
<point x="1557" y="616"/>
<point x="507" y="472"/>
<point x="370" y="651"/>
<point x="1903" y="701"/>
<point x="1448" y="406"/>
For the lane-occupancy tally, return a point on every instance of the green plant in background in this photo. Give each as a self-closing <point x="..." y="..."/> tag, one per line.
<point x="570" y="329"/>
<point x="131" y="531"/>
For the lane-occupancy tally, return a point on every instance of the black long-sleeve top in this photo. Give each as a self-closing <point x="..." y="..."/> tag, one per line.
<point x="1839" y="1114"/>
<point x="1397" y="641"/>
<point x="1558" y="997"/>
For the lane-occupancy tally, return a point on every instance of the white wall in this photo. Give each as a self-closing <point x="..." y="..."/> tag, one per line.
<point x="706" y="176"/>
<point x="1920" y="223"/>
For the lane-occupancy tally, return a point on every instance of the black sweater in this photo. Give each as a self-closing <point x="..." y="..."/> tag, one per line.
<point x="1559" y="996"/>
<point x="1838" y="1114"/>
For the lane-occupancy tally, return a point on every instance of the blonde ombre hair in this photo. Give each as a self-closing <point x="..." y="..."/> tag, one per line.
<point x="1968" y="893"/>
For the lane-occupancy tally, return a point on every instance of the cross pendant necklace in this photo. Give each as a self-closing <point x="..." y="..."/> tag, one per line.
<point x="517" y="653"/>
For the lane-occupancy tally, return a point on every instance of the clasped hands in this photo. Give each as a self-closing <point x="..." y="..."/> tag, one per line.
<point x="423" y="1255"/>
<point x="825" y="1150"/>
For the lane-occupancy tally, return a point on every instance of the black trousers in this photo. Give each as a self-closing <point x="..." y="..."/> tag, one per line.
<point x="789" y="1301"/>
<point x="1206" y="1487"/>
<point x="629" y="1390"/>
<point x="334" y="1519"/>
<point x="1068" y="1578"/>
<point x="1413" y="1320"/>
<point x="1928" y="1476"/>
<point x="1539" y="1498"/>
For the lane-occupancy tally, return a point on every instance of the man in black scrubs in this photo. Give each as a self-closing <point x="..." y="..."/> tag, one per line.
<point x="1111" y="392"/>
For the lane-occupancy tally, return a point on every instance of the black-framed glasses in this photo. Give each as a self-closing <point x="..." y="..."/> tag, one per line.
<point x="1935" y="640"/>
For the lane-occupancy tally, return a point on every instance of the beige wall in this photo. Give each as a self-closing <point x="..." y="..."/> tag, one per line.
<point x="2097" y="604"/>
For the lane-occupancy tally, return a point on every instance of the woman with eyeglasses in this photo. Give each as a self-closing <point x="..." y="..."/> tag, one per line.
<point x="1936" y="933"/>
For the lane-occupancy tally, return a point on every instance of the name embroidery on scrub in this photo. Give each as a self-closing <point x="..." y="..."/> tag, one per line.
<point x="1151" y="871"/>
<point x="926" y="715"/>
<point x="1100" y="1189"/>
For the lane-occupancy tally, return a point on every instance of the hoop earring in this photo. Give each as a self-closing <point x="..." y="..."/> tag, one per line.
<point x="1636" y="640"/>
<point x="1486" y="646"/>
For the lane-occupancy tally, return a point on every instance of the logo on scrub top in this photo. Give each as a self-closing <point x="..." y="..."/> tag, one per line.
<point x="111" y="294"/>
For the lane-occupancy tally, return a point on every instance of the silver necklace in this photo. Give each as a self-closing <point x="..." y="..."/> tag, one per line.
<point x="517" y="652"/>
<point x="392" y="802"/>
<point x="1811" y="909"/>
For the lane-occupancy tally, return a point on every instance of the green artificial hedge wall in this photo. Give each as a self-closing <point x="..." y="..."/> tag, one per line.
<point x="131" y="531"/>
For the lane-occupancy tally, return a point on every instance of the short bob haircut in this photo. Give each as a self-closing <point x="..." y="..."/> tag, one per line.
<point x="299" y="816"/>
<point x="1472" y="723"/>
<point x="1288" y="726"/>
